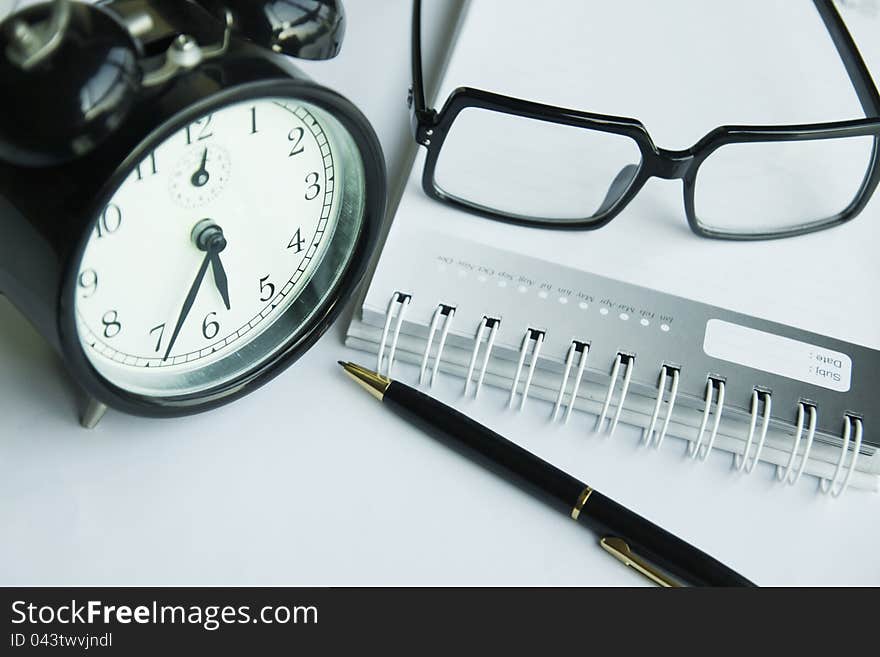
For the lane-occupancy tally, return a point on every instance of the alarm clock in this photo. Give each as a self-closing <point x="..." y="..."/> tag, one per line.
<point x="182" y="211"/>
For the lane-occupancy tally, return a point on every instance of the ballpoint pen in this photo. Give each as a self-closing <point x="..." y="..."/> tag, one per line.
<point x="655" y="553"/>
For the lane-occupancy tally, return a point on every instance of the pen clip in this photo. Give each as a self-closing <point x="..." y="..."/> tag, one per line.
<point x="619" y="549"/>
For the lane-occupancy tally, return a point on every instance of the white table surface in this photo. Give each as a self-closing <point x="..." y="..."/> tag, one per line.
<point x="308" y="481"/>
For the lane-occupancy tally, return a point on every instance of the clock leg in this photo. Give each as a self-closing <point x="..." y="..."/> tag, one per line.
<point x="92" y="413"/>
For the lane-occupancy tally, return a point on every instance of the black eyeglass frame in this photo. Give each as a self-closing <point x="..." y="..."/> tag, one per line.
<point x="430" y="129"/>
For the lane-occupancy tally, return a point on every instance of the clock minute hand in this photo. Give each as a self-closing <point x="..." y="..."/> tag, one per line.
<point x="188" y="303"/>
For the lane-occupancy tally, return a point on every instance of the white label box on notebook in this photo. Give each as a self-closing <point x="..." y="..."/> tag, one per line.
<point x="808" y="363"/>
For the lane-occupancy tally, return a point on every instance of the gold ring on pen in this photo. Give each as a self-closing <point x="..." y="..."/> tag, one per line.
<point x="582" y="499"/>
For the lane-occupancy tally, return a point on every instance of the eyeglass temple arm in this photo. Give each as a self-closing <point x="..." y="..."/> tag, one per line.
<point x="855" y="66"/>
<point x="420" y="116"/>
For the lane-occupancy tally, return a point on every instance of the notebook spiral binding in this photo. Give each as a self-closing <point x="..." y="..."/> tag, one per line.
<point x="667" y="391"/>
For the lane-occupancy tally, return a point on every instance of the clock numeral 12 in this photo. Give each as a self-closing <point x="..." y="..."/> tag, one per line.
<point x="154" y="169"/>
<point x="297" y="241"/>
<point x="254" y="120"/>
<point x="203" y="123"/>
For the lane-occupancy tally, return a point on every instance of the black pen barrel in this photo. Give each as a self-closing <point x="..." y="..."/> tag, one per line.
<point x="556" y="487"/>
<point x="562" y="491"/>
<point x="679" y="558"/>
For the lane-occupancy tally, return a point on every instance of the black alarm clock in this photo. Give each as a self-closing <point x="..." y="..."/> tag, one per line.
<point x="182" y="212"/>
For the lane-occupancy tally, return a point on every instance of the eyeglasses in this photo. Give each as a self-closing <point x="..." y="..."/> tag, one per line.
<point x="740" y="182"/>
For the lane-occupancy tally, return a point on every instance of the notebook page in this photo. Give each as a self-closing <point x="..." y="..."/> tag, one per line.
<point x="682" y="67"/>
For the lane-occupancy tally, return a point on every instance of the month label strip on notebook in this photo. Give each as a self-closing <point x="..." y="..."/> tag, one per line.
<point x="654" y="332"/>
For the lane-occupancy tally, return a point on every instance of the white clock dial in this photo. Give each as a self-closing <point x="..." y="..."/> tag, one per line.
<point x="158" y="302"/>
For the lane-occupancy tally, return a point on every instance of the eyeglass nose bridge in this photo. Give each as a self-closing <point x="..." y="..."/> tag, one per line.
<point x="670" y="165"/>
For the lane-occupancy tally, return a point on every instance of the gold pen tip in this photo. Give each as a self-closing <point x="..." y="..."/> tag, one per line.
<point x="374" y="383"/>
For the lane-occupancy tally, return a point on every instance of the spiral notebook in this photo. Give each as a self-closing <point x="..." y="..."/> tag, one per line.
<point x="766" y="350"/>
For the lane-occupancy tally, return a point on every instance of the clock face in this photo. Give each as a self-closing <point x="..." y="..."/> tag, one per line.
<point x="218" y="246"/>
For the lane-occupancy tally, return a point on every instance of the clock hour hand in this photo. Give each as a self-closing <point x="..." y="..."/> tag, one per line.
<point x="209" y="237"/>
<point x="188" y="303"/>
<point x="201" y="177"/>
<point x="220" y="279"/>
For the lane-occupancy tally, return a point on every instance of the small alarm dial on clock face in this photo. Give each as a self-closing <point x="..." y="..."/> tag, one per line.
<point x="200" y="176"/>
<point x="208" y="242"/>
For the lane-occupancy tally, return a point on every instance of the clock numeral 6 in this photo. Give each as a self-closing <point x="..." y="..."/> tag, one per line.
<point x="313" y="188"/>
<point x="267" y="289"/>
<point x="88" y="281"/>
<point x="112" y="326"/>
<point x="210" y="329"/>
<point x="109" y="221"/>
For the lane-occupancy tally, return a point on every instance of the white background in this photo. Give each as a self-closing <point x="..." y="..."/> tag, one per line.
<point x="308" y="481"/>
